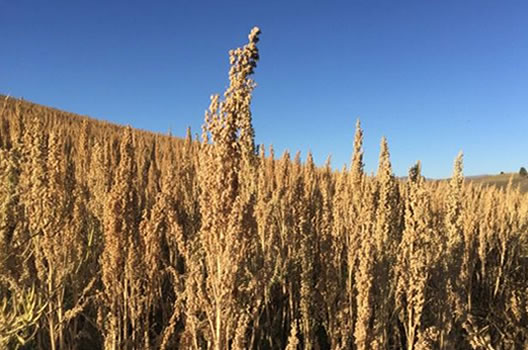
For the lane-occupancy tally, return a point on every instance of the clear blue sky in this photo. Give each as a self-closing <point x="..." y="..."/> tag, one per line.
<point x="434" y="77"/>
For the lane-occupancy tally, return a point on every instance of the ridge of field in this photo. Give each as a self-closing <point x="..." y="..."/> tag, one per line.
<point x="60" y="115"/>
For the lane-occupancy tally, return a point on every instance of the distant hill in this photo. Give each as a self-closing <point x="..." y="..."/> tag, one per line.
<point x="501" y="180"/>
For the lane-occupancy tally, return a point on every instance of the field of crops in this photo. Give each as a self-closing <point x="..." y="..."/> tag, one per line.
<point x="114" y="238"/>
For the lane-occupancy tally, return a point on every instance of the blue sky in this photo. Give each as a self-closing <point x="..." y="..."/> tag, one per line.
<point x="434" y="77"/>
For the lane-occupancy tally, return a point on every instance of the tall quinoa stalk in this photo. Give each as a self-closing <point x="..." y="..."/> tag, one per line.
<point x="223" y="237"/>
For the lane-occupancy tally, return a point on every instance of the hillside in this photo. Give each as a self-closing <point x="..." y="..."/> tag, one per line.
<point x="55" y="116"/>
<point x="501" y="180"/>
